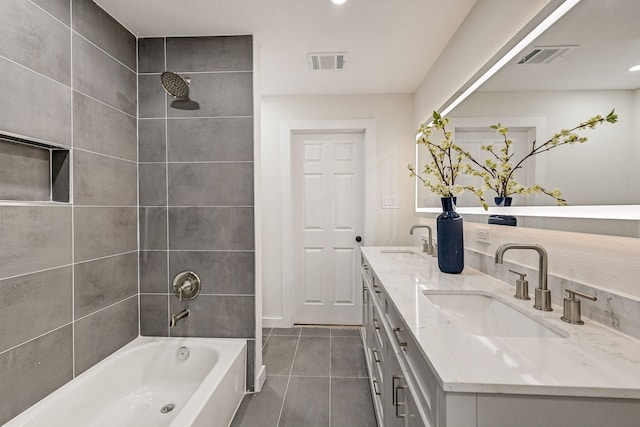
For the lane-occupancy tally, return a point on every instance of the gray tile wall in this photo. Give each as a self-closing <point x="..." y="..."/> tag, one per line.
<point x="196" y="188"/>
<point x="68" y="274"/>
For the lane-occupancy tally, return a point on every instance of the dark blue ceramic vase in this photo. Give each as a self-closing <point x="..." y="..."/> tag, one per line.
<point x="450" y="239"/>
<point x="503" y="219"/>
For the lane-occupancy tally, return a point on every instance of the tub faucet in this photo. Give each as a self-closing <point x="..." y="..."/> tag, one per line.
<point x="178" y="317"/>
<point x="542" y="299"/>
<point x="427" y="246"/>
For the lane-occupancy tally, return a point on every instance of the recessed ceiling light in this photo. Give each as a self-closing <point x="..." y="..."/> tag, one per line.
<point x="338" y="1"/>
<point x="635" y="68"/>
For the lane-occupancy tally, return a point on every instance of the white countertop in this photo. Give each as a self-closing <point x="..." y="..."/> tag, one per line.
<point x="592" y="361"/>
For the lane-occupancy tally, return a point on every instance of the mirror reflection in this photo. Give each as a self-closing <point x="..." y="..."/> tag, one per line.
<point x="575" y="70"/>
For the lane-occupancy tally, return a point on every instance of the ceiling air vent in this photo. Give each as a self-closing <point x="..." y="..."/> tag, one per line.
<point x="326" y="60"/>
<point x="545" y="54"/>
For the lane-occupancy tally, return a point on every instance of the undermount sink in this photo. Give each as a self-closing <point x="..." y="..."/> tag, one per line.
<point x="400" y="255"/>
<point x="482" y="314"/>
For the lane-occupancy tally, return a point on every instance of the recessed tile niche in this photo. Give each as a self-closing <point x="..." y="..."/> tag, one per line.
<point x="32" y="171"/>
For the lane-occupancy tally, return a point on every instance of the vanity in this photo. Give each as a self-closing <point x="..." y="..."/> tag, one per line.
<point x="459" y="351"/>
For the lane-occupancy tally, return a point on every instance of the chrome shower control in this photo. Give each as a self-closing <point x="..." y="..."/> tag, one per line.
<point x="186" y="285"/>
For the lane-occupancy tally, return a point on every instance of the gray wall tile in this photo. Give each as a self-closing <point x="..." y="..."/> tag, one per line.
<point x="102" y="333"/>
<point x="34" y="106"/>
<point x="98" y="75"/>
<point x="151" y="55"/>
<point x="99" y="27"/>
<point x="153" y="228"/>
<point x="154" y="315"/>
<point x="216" y="316"/>
<point x="151" y="97"/>
<point x="33" y="304"/>
<point x="220" y="272"/>
<point x="251" y="357"/>
<point x="211" y="228"/>
<point x="297" y="411"/>
<point x="105" y="130"/>
<point x="234" y="53"/>
<point x="219" y="94"/>
<point x="101" y="232"/>
<point x="33" y="370"/>
<point x="34" y="238"/>
<point x="153" y="184"/>
<point x="152" y="140"/>
<point x="211" y="184"/>
<point x="153" y="272"/>
<point x="219" y="139"/>
<point x="103" y="282"/>
<point x="60" y="175"/>
<point x="34" y="39"/>
<point x="24" y="172"/>
<point x="58" y="8"/>
<point x="102" y="180"/>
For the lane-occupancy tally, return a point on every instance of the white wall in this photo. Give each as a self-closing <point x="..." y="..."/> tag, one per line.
<point x="597" y="172"/>
<point x="394" y="150"/>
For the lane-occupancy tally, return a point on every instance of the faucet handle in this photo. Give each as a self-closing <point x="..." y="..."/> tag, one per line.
<point x="572" y="307"/>
<point x="522" y="286"/>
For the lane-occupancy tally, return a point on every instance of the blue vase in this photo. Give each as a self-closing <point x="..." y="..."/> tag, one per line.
<point x="450" y="239"/>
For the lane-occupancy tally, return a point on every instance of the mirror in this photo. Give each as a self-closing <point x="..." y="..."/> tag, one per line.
<point x="576" y="69"/>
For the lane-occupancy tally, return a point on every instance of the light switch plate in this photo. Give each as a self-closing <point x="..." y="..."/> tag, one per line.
<point x="483" y="235"/>
<point x="389" y="202"/>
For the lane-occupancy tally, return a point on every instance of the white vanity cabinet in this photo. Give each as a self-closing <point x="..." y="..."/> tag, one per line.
<point x="408" y="391"/>
<point x="393" y="387"/>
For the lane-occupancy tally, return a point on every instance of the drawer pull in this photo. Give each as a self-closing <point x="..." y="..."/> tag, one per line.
<point x="376" y="289"/>
<point x="375" y="324"/>
<point x="375" y="356"/>
<point x="375" y="388"/>
<point x="396" y="400"/>
<point x="397" y="331"/>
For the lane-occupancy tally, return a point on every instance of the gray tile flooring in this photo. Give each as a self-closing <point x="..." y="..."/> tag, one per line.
<point x="316" y="376"/>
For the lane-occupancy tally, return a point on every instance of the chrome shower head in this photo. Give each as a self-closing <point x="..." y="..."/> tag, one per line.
<point x="175" y="85"/>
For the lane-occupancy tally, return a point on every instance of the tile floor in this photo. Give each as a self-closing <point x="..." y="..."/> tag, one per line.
<point x="315" y="377"/>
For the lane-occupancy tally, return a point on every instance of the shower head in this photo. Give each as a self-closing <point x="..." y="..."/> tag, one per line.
<point x="176" y="85"/>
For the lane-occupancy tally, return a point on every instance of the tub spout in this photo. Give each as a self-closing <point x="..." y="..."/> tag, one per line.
<point x="178" y="317"/>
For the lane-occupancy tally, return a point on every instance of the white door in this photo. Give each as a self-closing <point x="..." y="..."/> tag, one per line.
<point x="328" y="200"/>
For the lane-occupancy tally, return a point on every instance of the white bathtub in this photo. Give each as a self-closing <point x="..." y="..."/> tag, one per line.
<point x="130" y="387"/>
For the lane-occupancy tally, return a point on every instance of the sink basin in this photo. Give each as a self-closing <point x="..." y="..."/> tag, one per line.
<point x="484" y="315"/>
<point x="401" y="255"/>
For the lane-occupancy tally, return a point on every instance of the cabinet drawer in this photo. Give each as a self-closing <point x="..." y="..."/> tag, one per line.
<point x="423" y="378"/>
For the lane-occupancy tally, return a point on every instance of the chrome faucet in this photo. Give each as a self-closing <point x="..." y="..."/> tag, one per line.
<point x="427" y="246"/>
<point x="178" y="317"/>
<point x="542" y="299"/>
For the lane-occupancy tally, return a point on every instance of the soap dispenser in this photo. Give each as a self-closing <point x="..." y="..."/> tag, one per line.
<point x="522" y="286"/>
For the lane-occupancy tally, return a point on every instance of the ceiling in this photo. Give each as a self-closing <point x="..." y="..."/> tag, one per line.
<point x="390" y="44"/>
<point x="607" y="36"/>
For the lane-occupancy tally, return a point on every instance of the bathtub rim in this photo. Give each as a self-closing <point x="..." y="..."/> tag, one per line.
<point x="237" y="345"/>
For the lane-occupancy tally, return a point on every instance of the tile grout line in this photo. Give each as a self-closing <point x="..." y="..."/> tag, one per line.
<point x="166" y="171"/>
<point x="72" y="201"/>
<point x="286" y="389"/>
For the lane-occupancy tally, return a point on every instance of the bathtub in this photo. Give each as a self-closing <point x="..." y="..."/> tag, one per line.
<point x="150" y="382"/>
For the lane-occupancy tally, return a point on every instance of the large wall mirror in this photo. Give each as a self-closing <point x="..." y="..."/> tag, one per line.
<point x="577" y="68"/>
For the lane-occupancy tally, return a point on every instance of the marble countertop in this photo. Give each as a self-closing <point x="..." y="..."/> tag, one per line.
<point x="590" y="360"/>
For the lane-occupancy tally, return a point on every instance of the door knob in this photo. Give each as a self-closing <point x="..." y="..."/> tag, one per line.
<point x="358" y="239"/>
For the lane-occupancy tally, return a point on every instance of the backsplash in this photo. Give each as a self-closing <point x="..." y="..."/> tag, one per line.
<point x="68" y="271"/>
<point x="196" y="188"/>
